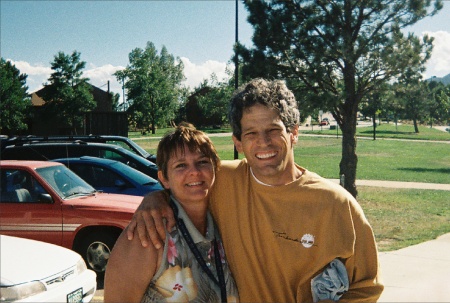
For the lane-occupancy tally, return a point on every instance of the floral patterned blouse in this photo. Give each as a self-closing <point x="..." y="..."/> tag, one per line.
<point x="180" y="278"/>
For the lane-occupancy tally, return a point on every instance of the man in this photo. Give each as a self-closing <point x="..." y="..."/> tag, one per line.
<point x="289" y="234"/>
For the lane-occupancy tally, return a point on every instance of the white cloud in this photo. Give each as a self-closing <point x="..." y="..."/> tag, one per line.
<point x="439" y="63"/>
<point x="99" y="76"/>
<point x="27" y="68"/>
<point x="102" y="73"/>
<point x="196" y="74"/>
<point x="37" y="74"/>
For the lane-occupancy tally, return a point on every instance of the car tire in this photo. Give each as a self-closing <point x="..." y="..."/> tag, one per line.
<point x="95" y="249"/>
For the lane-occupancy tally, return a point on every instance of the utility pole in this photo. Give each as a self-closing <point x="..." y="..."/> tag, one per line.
<point x="123" y="93"/>
<point x="236" y="59"/>
<point x="236" y="65"/>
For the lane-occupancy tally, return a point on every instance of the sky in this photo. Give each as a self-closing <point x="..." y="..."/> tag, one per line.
<point x="200" y="33"/>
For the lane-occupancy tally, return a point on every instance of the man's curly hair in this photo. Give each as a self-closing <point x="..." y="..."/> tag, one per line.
<point x="272" y="94"/>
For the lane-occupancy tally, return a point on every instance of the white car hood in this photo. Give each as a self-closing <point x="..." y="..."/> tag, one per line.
<point x="24" y="260"/>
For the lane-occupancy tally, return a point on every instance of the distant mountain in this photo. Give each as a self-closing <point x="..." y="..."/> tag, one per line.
<point x="445" y="79"/>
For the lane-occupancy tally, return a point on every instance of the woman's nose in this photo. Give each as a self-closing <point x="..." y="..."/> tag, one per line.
<point x="194" y="169"/>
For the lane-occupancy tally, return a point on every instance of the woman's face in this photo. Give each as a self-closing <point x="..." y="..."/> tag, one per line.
<point x="190" y="176"/>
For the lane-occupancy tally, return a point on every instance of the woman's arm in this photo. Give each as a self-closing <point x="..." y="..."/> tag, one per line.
<point x="130" y="269"/>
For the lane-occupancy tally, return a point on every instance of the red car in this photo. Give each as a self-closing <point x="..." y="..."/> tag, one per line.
<point x="46" y="201"/>
<point x="324" y="121"/>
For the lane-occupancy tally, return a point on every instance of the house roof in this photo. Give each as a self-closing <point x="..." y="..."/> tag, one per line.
<point x="36" y="97"/>
<point x="103" y="99"/>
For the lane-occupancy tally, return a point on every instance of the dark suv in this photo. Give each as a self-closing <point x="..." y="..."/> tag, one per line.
<point x="48" y="151"/>
<point x="124" y="142"/>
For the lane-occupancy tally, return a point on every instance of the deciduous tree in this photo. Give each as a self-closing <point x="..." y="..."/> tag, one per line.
<point x="213" y="104"/>
<point x="153" y="83"/>
<point x="439" y="103"/>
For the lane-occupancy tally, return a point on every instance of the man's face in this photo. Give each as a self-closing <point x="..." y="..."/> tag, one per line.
<point x="267" y="145"/>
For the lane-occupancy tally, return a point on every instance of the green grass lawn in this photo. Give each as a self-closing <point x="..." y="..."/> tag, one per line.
<point x="389" y="130"/>
<point x="403" y="217"/>
<point x="393" y="160"/>
<point x="399" y="217"/>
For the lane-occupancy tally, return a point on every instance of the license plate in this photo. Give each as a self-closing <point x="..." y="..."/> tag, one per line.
<point x="75" y="296"/>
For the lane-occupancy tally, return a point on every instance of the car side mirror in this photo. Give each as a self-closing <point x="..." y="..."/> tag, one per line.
<point x="46" y="198"/>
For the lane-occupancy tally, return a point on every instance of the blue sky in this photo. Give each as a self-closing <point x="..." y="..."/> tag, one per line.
<point x="200" y="33"/>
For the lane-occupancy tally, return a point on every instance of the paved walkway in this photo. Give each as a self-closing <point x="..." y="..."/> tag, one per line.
<point x="418" y="273"/>
<point x="398" y="184"/>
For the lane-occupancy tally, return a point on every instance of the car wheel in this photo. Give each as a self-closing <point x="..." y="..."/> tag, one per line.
<point x="95" y="249"/>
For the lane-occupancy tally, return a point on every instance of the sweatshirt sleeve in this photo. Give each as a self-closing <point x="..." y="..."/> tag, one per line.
<point x="363" y="266"/>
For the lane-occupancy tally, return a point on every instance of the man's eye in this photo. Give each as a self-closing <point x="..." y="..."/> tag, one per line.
<point x="180" y="165"/>
<point x="204" y="162"/>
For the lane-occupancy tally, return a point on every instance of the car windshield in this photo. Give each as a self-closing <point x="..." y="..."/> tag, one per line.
<point x="65" y="182"/>
<point x="134" y="174"/>
<point x="136" y="158"/>
<point x="140" y="149"/>
<point x="131" y="146"/>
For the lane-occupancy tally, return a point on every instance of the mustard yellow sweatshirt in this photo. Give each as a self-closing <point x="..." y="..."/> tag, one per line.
<point x="278" y="238"/>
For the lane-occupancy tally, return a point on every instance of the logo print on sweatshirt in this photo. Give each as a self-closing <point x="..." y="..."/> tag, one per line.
<point x="307" y="240"/>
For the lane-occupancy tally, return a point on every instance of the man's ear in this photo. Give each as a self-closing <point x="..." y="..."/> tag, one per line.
<point x="294" y="134"/>
<point x="163" y="180"/>
<point x="238" y="144"/>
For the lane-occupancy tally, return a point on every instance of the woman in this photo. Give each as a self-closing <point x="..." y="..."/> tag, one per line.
<point x="192" y="265"/>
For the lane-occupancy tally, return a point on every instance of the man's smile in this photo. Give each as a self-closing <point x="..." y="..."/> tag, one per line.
<point x="266" y="155"/>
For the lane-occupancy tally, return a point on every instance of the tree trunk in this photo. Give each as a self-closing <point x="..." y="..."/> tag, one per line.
<point x="416" y="128"/>
<point x="374" y="123"/>
<point x="349" y="113"/>
<point x="349" y="158"/>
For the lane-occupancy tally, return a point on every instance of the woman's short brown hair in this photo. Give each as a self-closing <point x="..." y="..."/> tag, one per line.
<point x="195" y="140"/>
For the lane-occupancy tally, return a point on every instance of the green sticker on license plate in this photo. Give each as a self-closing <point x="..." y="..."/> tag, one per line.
<point x="75" y="296"/>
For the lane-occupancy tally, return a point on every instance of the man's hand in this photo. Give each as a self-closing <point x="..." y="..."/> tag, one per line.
<point x="148" y="220"/>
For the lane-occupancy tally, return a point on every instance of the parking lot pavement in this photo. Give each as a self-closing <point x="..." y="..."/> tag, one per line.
<point x="98" y="297"/>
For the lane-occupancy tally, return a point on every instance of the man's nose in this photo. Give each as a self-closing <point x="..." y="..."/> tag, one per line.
<point x="263" y="139"/>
